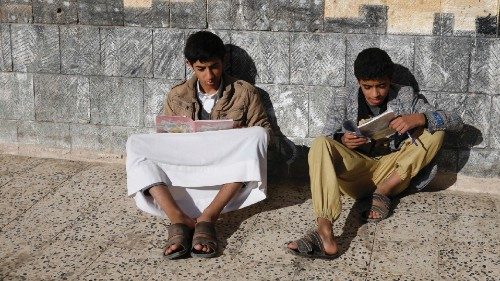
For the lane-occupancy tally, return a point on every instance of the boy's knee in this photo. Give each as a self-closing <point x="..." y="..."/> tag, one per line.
<point x="320" y="141"/>
<point x="434" y="139"/>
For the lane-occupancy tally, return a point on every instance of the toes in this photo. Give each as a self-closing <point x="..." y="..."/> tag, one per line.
<point x="198" y="247"/>
<point x="292" y="245"/>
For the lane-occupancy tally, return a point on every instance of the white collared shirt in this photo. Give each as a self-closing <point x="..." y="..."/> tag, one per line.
<point x="207" y="101"/>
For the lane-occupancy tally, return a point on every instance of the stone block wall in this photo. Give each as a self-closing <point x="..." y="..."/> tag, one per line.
<point x="80" y="76"/>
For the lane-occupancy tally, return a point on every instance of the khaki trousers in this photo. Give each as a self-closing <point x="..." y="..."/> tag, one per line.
<point x="335" y="169"/>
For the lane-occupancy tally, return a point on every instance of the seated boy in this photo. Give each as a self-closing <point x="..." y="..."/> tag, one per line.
<point x="343" y="163"/>
<point x="192" y="178"/>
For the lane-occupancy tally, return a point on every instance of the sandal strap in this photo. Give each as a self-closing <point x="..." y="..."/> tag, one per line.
<point x="204" y="234"/>
<point x="178" y="233"/>
<point x="311" y="242"/>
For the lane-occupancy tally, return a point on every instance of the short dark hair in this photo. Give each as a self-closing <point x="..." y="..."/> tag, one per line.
<point x="373" y="63"/>
<point x="203" y="46"/>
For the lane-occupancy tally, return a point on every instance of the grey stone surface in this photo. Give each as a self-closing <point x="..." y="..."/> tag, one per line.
<point x="80" y="50"/>
<point x="475" y="112"/>
<point x="18" y="11"/>
<point x="485" y="66"/>
<point x="107" y="139"/>
<point x="443" y="24"/>
<point x="116" y="101"/>
<point x="127" y="51"/>
<point x="153" y="13"/>
<point x="62" y="98"/>
<point x="372" y="19"/>
<point x="495" y="123"/>
<point x="155" y="92"/>
<point x="289" y="108"/>
<point x="220" y="14"/>
<point x="251" y="14"/>
<point x="168" y="56"/>
<point x="35" y="48"/>
<point x="8" y="131"/>
<point x="16" y="97"/>
<point x="5" y="48"/>
<point x="479" y="162"/>
<point x="42" y="133"/>
<point x="188" y="14"/>
<point x="307" y="15"/>
<point x="442" y="63"/>
<point x="317" y="59"/>
<point x="55" y="11"/>
<point x="319" y="99"/>
<point x="268" y="51"/>
<point x="280" y="15"/>
<point x="399" y="48"/>
<point x="100" y="12"/>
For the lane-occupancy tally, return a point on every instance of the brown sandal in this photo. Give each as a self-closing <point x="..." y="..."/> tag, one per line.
<point x="382" y="207"/>
<point x="178" y="234"/>
<point x="204" y="234"/>
<point x="311" y="246"/>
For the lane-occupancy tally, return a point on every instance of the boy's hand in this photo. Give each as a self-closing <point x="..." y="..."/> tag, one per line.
<point x="352" y="141"/>
<point x="404" y="123"/>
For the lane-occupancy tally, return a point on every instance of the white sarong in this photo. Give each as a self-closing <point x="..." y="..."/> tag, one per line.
<point x="194" y="166"/>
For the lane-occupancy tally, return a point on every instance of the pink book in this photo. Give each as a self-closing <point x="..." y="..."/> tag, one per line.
<point x="183" y="124"/>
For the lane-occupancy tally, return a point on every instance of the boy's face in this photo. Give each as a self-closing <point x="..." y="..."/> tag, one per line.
<point x="208" y="73"/>
<point x="375" y="90"/>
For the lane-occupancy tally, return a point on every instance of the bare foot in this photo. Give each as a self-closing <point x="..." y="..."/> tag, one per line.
<point x="202" y="247"/>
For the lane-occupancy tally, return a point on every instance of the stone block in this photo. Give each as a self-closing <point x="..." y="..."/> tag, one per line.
<point x="149" y="13"/>
<point x="100" y="12"/>
<point x="306" y="15"/>
<point x="317" y="59"/>
<point x="443" y="24"/>
<point x="280" y="15"/>
<point x="5" y="48"/>
<point x="485" y="66"/>
<point x="80" y="50"/>
<point x="289" y="109"/>
<point x="43" y="133"/>
<point x="35" y="48"/>
<point x="18" y="11"/>
<point x="116" y="101"/>
<point x="219" y="14"/>
<point x="479" y="162"/>
<point x="495" y="123"/>
<point x="106" y="139"/>
<point x="127" y="51"/>
<point x="55" y="11"/>
<point x="319" y="100"/>
<point x="372" y="19"/>
<point x="62" y="98"/>
<point x="155" y="92"/>
<point x="442" y="63"/>
<point x="475" y="112"/>
<point x="399" y="48"/>
<point x="168" y="56"/>
<point x="16" y="96"/>
<point x="8" y="131"/>
<point x="251" y="14"/>
<point x="188" y="14"/>
<point x="267" y="51"/>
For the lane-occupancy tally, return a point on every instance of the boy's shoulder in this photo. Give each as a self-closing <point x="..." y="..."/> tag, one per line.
<point x="239" y="85"/>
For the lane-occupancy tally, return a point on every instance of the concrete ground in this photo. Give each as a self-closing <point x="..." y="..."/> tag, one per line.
<point x="65" y="219"/>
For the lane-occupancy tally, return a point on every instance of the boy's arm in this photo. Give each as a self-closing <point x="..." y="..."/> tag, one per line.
<point x="435" y="119"/>
<point x="256" y="114"/>
<point x="167" y="108"/>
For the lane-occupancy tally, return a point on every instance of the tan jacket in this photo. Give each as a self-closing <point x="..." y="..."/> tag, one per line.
<point x="239" y="101"/>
